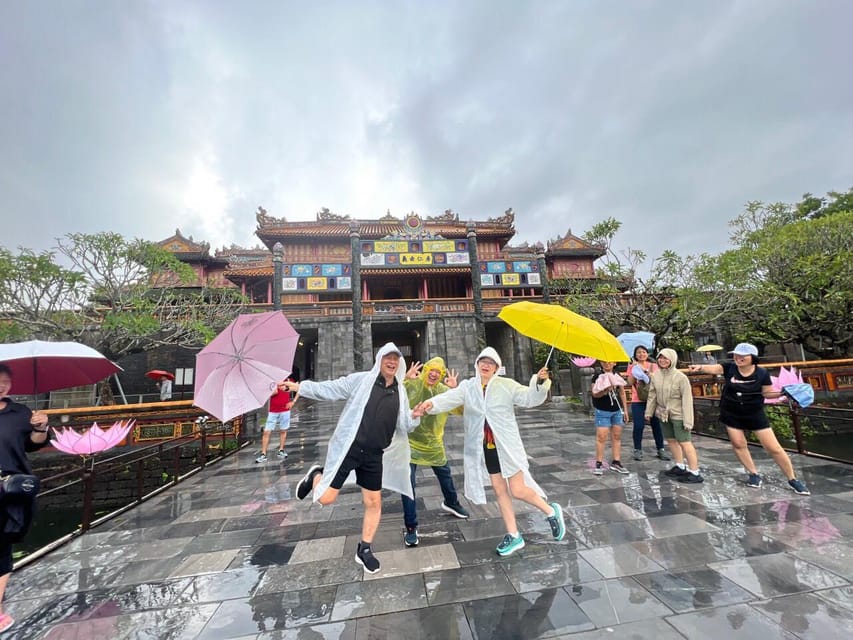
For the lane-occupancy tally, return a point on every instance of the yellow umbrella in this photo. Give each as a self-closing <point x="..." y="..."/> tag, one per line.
<point x="563" y="329"/>
<point x="710" y="347"/>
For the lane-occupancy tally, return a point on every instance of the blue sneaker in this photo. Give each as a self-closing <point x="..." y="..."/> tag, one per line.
<point x="557" y="522"/>
<point x="411" y="537"/>
<point x="753" y="481"/>
<point x="510" y="545"/>
<point x="799" y="487"/>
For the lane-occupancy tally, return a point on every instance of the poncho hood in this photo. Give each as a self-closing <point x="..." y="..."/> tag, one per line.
<point x="429" y="365"/>
<point x="384" y="350"/>
<point x="670" y="355"/>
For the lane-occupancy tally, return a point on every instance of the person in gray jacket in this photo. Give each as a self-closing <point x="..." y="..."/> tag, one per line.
<point x="671" y="400"/>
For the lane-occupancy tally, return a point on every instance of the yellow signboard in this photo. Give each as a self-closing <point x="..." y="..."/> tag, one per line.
<point x="439" y="246"/>
<point x="415" y="258"/>
<point x="511" y="278"/>
<point x="390" y="246"/>
<point x="315" y="283"/>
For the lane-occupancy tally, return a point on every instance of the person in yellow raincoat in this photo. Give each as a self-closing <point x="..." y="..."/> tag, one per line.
<point x="427" y="441"/>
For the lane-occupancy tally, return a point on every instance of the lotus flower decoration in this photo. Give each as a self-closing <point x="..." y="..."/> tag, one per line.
<point x="785" y="377"/>
<point x="583" y="362"/>
<point x="93" y="440"/>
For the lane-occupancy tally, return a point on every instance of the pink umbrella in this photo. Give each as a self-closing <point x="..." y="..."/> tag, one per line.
<point x="238" y="371"/>
<point x="38" y="366"/>
<point x="607" y="380"/>
<point x="93" y="440"/>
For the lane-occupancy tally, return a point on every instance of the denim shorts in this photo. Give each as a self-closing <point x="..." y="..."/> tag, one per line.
<point x="277" y="420"/>
<point x="608" y="418"/>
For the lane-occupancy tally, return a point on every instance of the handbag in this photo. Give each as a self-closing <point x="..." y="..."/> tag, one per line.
<point x="20" y="485"/>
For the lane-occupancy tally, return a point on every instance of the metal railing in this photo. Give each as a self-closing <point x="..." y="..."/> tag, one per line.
<point x="83" y="479"/>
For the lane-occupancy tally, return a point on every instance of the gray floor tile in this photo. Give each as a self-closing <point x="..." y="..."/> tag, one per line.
<point x="466" y="583"/>
<point x="620" y="560"/>
<point x="536" y="614"/>
<point x="808" y="616"/>
<point x="447" y="622"/>
<point x="737" y="622"/>
<point x="693" y="589"/>
<point x="613" y="602"/>
<point x="776" y="574"/>
<point x="360" y="599"/>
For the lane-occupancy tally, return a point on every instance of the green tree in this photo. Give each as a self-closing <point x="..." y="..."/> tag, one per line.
<point x="791" y="271"/>
<point x="118" y="296"/>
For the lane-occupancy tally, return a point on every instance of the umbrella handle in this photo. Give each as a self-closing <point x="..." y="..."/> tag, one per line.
<point x="548" y="359"/>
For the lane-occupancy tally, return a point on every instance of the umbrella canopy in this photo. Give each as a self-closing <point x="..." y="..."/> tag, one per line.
<point x="156" y="374"/>
<point x="238" y="371"/>
<point x="563" y="329"/>
<point x="709" y="347"/>
<point x="38" y="366"/>
<point x="631" y="341"/>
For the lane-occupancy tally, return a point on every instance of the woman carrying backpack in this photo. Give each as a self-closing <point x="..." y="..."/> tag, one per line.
<point x="639" y="396"/>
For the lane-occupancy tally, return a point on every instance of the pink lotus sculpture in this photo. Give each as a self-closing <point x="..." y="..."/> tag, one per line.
<point x="92" y="441"/>
<point x="785" y="377"/>
<point x="583" y="362"/>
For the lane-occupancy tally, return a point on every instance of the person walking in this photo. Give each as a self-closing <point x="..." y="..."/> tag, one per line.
<point x="742" y="411"/>
<point x="278" y="418"/>
<point x="427" y="442"/>
<point x="671" y="400"/>
<point x="493" y="443"/>
<point x="21" y="430"/>
<point x="370" y="439"/>
<point x="639" y="396"/>
<point x="165" y="385"/>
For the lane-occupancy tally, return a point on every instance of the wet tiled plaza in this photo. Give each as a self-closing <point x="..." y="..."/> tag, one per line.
<point x="231" y="554"/>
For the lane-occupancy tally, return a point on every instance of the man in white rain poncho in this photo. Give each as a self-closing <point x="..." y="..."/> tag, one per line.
<point x="370" y="439"/>
<point x="493" y="448"/>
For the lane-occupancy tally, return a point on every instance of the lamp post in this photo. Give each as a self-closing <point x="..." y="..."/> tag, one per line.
<point x="357" y="328"/>
<point x="543" y="277"/>
<point x="277" y="255"/>
<point x="476" y="288"/>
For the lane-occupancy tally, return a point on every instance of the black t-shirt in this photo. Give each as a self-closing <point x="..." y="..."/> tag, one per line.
<point x="380" y="416"/>
<point x="15" y="430"/>
<point x="607" y="402"/>
<point x="742" y="394"/>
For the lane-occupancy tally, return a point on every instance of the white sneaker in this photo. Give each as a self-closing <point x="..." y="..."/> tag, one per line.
<point x="282" y="454"/>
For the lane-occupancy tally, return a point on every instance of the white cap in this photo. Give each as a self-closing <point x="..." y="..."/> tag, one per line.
<point x="745" y="349"/>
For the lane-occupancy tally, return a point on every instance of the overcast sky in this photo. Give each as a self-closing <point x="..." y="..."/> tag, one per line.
<point x="140" y="117"/>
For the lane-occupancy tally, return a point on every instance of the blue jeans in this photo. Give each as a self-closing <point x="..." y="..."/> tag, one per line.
<point x="638" y="415"/>
<point x="445" y="481"/>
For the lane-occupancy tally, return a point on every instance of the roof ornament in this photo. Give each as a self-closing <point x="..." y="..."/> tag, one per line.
<point x="324" y="215"/>
<point x="447" y="216"/>
<point x="265" y="220"/>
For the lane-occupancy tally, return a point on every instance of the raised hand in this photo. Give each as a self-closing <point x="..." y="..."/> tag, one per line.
<point x="452" y="379"/>
<point x="543" y="374"/>
<point x="38" y="419"/>
<point x="414" y="371"/>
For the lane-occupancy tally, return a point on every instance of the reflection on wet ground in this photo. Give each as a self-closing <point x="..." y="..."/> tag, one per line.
<point x="230" y="554"/>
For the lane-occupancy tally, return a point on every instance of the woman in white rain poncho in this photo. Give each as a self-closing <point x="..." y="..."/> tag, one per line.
<point x="493" y="448"/>
<point x="370" y="439"/>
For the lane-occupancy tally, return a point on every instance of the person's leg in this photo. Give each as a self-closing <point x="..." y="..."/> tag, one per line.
<point x="638" y="410"/>
<point x="284" y="425"/>
<point x="601" y="435"/>
<point x="616" y="441"/>
<point x="518" y="489"/>
<point x="445" y="481"/>
<point x="657" y="434"/>
<point x="410" y="514"/>
<point x="504" y="499"/>
<point x="689" y="452"/>
<point x="265" y="441"/>
<point x="372" y="514"/>
<point x="771" y="445"/>
<point x="676" y="451"/>
<point x="741" y="449"/>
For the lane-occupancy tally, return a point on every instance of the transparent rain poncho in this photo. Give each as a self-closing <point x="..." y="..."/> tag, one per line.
<point x="497" y="406"/>
<point x="355" y="389"/>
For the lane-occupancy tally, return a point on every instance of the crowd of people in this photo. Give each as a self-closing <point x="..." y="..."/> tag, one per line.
<point x="393" y="424"/>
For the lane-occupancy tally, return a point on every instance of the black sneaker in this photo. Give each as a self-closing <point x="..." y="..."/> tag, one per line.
<point x="306" y="485"/>
<point x="617" y="467"/>
<point x="456" y="509"/>
<point x="675" y="472"/>
<point x="691" y="478"/>
<point x="364" y="556"/>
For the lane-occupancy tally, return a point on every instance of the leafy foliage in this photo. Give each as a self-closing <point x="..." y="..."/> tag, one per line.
<point x="118" y="296"/>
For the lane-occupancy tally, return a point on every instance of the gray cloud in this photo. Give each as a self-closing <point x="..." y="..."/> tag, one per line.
<point x="143" y="117"/>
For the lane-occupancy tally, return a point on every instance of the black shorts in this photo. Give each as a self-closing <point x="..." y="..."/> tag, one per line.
<point x="367" y="465"/>
<point x="493" y="463"/>
<point x="754" y="421"/>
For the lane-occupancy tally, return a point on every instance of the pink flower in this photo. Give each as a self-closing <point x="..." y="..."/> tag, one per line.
<point x="92" y="441"/>
<point x="583" y="362"/>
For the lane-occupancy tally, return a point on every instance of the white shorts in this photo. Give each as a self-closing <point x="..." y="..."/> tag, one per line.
<point x="278" y="421"/>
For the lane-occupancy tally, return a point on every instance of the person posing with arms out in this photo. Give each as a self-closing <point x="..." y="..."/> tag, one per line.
<point x="278" y="418"/>
<point x="639" y="396"/>
<point x="611" y="413"/>
<point x="742" y="410"/>
<point x="21" y="430"/>
<point x="427" y="442"/>
<point x="370" y="439"/>
<point x="493" y="443"/>
<point x="671" y="400"/>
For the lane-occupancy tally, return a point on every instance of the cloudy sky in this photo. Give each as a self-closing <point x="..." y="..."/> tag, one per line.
<point x="140" y="117"/>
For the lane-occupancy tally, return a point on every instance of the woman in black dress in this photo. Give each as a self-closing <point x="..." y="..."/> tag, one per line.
<point x="742" y="409"/>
